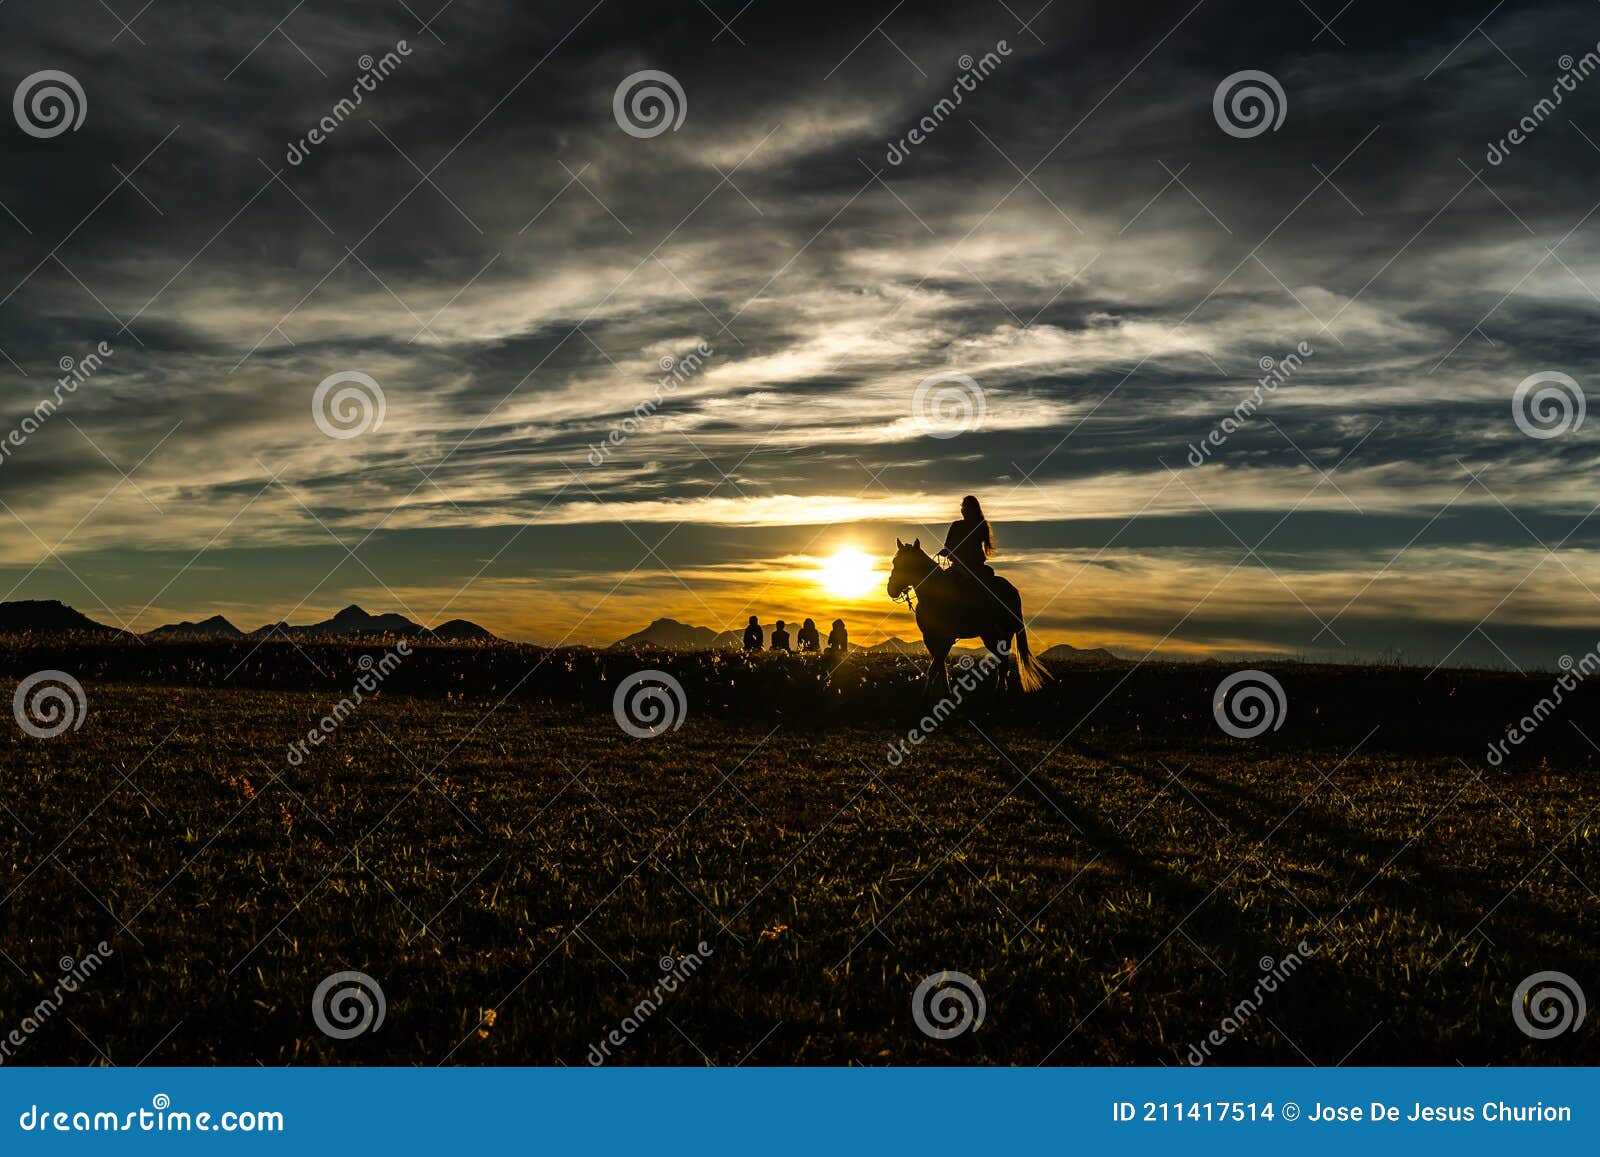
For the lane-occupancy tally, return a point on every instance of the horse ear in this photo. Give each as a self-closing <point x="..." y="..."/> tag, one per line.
<point x="917" y="544"/>
<point x="898" y="545"/>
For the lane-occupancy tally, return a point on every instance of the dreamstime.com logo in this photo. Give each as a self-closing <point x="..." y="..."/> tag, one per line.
<point x="347" y="1004"/>
<point x="1249" y="103"/>
<point x="373" y="73"/>
<point x="649" y="703"/>
<point x="648" y="103"/>
<point x="49" y="103"/>
<point x="1275" y="372"/>
<point x="1573" y="73"/>
<point x="1548" y="404"/>
<point x="348" y="404"/>
<point x="948" y="404"/>
<point x="1548" y="1004"/>
<point x="675" y="973"/>
<point x="1274" y="973"/>
<point x="971" y="677"/>
<point x="1248" y="703"/>
<point x="674" y="372"/>
<point x="74" y="373"/>
<point x="948" y="1004"/>
<point x="49" y="703"/>
<point x="373" y="673"/>
<point x="74" y="973"/>
<point x="973" y="72"/>
<point x="160" y="1117"/>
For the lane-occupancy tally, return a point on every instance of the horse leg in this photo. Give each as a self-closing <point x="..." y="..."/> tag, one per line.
<point x="940" y="650"/>
<point x="1002" y="673"/>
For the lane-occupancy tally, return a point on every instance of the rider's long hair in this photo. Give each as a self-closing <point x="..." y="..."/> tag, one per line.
<point x="972" y="511"/>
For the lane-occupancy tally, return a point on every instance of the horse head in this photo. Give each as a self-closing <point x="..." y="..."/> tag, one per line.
<point x="911" y="566"/>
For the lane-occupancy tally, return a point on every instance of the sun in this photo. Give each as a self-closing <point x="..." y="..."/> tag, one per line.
<point x="848" y="573"/>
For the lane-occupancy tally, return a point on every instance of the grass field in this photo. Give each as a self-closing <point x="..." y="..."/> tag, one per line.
<point x="1108" y="865"/>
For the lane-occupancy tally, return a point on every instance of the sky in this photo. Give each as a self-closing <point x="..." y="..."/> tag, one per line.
<point x="869" y="298"/>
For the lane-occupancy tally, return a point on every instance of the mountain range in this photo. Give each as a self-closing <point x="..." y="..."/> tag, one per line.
<point x="49" y="617"/>
<point x="671" y="635"/>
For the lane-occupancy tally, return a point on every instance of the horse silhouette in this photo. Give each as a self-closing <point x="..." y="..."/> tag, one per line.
<point x="951" y="606"/>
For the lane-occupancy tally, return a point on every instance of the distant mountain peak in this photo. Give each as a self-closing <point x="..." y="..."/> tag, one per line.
<point x="48" y="617"/>
<point x="52" y="617"/>
<point x="671" y="635"/>
<point x="216" y="627"/>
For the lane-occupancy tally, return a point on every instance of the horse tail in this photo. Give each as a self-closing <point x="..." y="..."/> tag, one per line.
<point x="1033" y="674"/>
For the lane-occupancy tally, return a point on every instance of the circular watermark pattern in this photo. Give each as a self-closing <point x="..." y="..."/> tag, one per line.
<point x="648" y="103"/>
<point x="49" y="103"/>
<point x="348" y="1004"/>
<point x="1548" y="404"/>
<point x="1248" y="703"/>
<point x="649" y="703"/>
<point x="948" y="404"/>
<point x="948" y="1004"/>
<point x="49" y="703"/>
<point x="1248" y="103"/>
<point x="348" y="404"/>
<point x="1548" y="1004"/>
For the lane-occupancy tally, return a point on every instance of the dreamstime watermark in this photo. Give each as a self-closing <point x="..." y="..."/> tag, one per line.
<point x="1572" y="73"/>
<point x="649" y="703"/>
<point x="156" y="1119"/>
<point x="675" y="972"/>
<point x="49" y="103"/>
<point x="948" y="404"/>
<point x="1548" y="1004"/>
<point x="1248" y="703"/>
<point x="972" y="676"/>
<point x="49" y="703"/>
<point x="348" y="404"/>
<point x="1276" y="371"/>
<point x="972" y="73"/>
<point x="948" y="1004"/>
<point x="374" y="672"/>
<point x="1575" y="673"/>
<point x="73" y="974"/>
<point x="347" y="1004"/>
<point x="648" y="103"/>
<point x="674" y="372"/>
<point x="1248" y="103"/>
<point x="1548" y="404"/>
<point x="74" y="372"/>
<point x="1273" y="974"/>
<point x="373" y="72"/>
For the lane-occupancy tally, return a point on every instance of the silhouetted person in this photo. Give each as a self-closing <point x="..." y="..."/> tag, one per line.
<point x="808" y="638"/>
<point x="752" y="635"/>
<point x="780" y="637"/>
<point x="970" y="542"/>
<point x="838" y="640"/>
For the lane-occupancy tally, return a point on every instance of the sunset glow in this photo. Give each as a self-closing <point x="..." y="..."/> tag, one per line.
<point x="848" y="573"/>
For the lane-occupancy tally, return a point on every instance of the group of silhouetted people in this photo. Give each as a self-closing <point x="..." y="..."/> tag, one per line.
<point x="807" y="638"/>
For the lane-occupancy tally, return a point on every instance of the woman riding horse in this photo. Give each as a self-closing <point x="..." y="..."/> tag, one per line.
<point x="970" y="541"/>
<point x="966" y="601"/>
